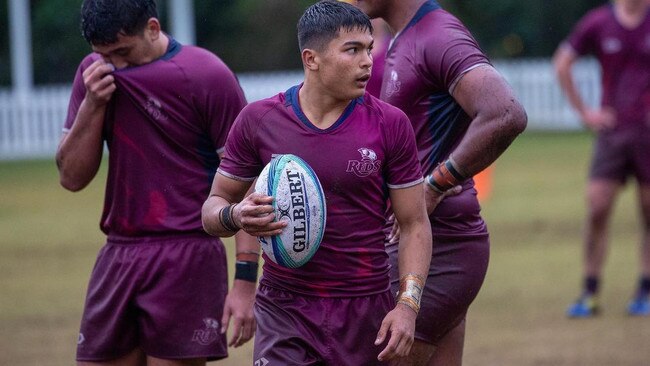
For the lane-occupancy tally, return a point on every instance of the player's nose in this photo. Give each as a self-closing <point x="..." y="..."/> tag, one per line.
<point x="366" y="61"/>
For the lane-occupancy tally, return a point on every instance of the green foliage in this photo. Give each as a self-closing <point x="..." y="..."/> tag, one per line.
<point x="252" y="35"/>
<point x="57" y="43"/>
<point x="255" y="35"/>
<point x="512" y="28"/>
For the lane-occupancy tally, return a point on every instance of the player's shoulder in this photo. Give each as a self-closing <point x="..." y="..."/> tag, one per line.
<point x="199" y="52"/>
<point x="599" y="15"/>
<point x="202" y="65"/>
<point x="197" y="56"/>
<point x="439" y="26"/>
<point x="255" y="112"/>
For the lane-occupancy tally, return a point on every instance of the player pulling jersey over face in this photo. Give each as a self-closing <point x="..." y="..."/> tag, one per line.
<point x="164" y="143"/>
<point x="159" y="287"/>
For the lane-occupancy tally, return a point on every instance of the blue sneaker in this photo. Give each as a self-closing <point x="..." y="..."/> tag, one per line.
<point x="585" y="307"/>
<point x="639" y="306"/>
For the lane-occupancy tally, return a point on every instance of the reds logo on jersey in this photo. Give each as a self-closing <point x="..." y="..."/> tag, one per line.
<point x="366" y="166"/>
<point x="393" y="85"/>
<point x="155" y="109"/>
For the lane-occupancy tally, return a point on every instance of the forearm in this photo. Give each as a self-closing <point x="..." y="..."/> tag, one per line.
<point x="80" y="151"/>
<point x="247" y="253"/>
<point x="414" y="259"/>
<point x="497" y="119"/>
<point x="487" y="138"/>
<point x="213" y="219"/>
<point x="563" y="63"/>
<point x="415" y="247"/>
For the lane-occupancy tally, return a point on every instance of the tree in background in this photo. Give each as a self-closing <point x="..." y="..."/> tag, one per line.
<point x="260" y="35"/>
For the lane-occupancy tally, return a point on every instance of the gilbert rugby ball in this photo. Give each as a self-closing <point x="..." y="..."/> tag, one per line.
<point x="299" y="200"/>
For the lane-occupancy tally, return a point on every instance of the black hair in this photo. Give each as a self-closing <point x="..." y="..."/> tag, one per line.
<point x="322" y="22"/>
<point x="102" y="20"/>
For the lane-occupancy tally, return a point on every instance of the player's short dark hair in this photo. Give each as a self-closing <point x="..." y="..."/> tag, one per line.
<point x="322" y="22"/>
<point x="102" y="20"/>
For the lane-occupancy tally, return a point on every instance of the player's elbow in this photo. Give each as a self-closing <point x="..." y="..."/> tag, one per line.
<point x="515" y="119"/>
<point x="518" y="119"/>
<point x="72" y="185"/>
<point x="72" y="181"/>
<point x="205" y="221"/>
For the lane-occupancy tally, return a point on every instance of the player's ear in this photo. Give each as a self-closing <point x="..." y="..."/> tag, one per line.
<point x="153" y="28"/>
<point x="310" y="59"/>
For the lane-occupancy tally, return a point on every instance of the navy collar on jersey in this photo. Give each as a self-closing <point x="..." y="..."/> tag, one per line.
<point x="173" y="48"/>
<point x="291" y="96"/>
<point x="426" y="8"/>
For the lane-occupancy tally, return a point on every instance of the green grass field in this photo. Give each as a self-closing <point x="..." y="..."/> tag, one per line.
<point x="49" y="238"/>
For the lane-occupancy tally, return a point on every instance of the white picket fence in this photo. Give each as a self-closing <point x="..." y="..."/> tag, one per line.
<point x="30" y="125"/>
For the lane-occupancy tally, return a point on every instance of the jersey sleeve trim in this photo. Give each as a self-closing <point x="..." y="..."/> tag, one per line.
<point x="235" y="177"/>
<point x="406" y="185"/>
<point x="460" y="76"/>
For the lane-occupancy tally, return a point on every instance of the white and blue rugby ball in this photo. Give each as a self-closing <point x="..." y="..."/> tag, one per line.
<point x="299" y="200"/>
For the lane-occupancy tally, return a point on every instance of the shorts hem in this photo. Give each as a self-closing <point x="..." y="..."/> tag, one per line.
<point x="102" y="358"/>
<point x="434" y="340"/>
<point x="210" y="357"/>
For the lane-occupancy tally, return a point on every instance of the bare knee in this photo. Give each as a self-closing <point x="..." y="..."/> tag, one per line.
<point x="600" y="200"/>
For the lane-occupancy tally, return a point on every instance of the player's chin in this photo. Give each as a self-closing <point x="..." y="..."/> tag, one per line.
<point x="359" y="89"/>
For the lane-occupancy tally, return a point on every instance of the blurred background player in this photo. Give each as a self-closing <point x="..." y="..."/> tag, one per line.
<point x="464" y="115"/>
<point x="337" y="309"/>
<point x="618" y="35"/>
<point x="382" y="37"/>
<point x="156" y="295"/>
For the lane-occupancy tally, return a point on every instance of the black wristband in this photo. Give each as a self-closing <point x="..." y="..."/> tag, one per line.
<point x="454" y="172"/>
<point x="227" y="221"/>
<point x="246" y="271"/>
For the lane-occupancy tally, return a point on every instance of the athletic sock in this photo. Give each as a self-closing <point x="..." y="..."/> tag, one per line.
<point x="591" y="285"/>
<point x="644" y="286"/>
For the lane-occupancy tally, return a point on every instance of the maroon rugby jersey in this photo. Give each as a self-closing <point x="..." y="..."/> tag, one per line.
<point x="164" y="126"/>
<point x="624" y="56"/>
<point x="423" y="64"/>
<point x="351" y="260"/>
